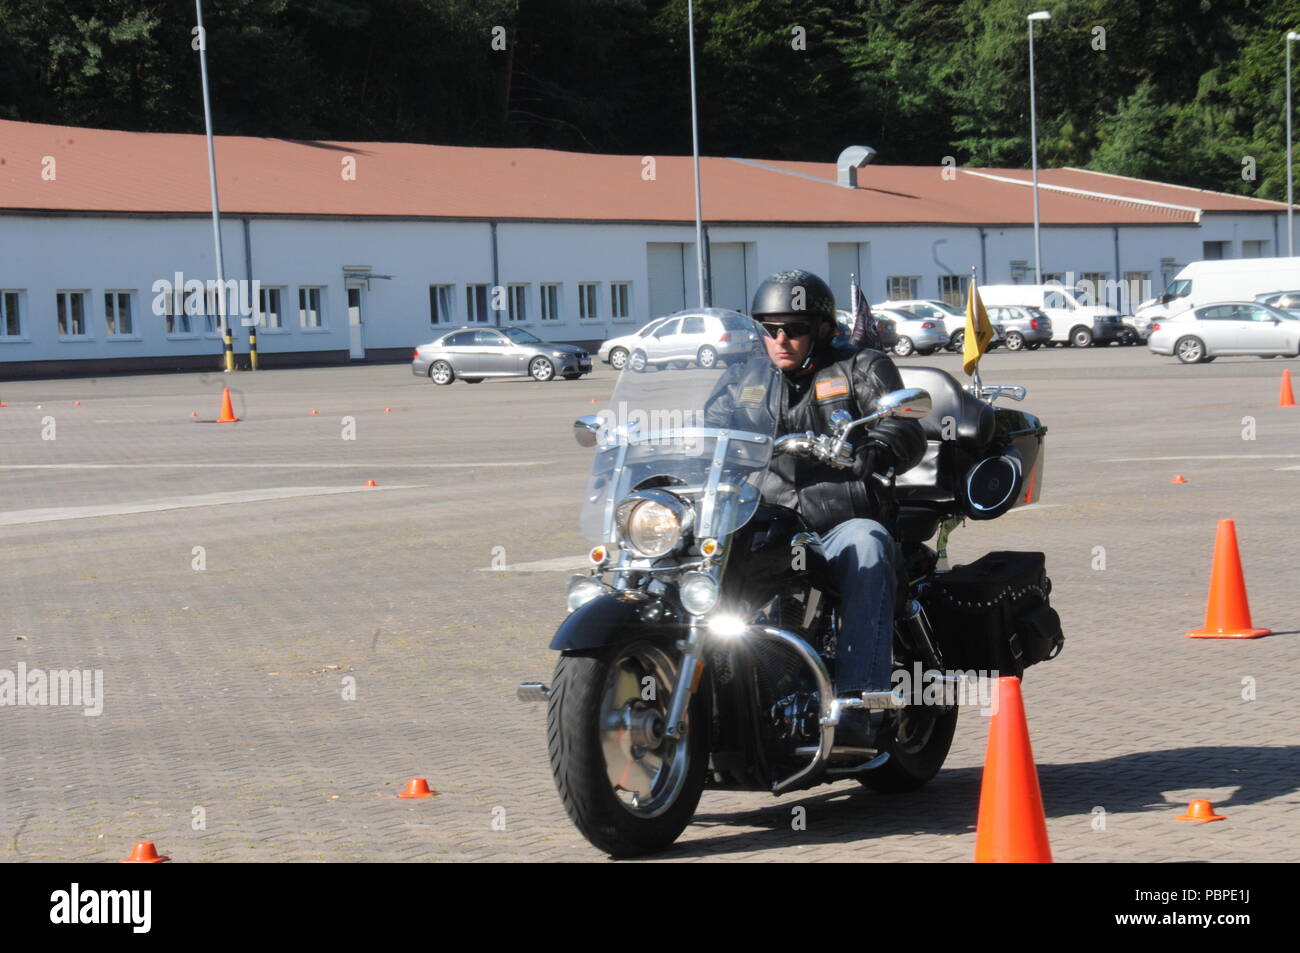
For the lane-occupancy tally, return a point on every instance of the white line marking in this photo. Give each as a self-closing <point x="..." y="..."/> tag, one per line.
<point x="544" y="565"/>
<point x="20" y="517"/>
<point x="1286" y="468"/>
<point x="271" y="466"/>
<point x="1217" y="456"/>
<point x="1034" y="506"/>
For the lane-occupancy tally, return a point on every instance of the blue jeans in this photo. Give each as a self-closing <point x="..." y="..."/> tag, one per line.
<point x="863" y="557"/>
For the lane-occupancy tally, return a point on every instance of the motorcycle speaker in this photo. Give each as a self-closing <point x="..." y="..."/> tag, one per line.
<point x="993" y="485"/>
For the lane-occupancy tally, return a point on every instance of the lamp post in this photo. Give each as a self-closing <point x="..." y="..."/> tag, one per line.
<point x="229" y="363"/>
<point x="1033" y="144"/>
<point x="695" y="153"/>
<point x="1290" y="231"/>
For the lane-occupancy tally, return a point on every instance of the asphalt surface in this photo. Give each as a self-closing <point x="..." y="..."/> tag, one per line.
<point x="281" y="647"/>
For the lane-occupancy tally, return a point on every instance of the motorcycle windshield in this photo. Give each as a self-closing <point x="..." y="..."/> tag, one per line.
<point x="704" y="433"/>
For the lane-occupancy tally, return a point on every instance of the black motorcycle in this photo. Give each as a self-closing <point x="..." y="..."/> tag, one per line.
<point x="700" y="648"/>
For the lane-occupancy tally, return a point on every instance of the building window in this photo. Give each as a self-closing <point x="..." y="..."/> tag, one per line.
<point x="1019" y="272"/>
<point x="72" y="314"/>
<point x="309" y="309"/>
<point x="1137" y="288"/>
<point x="587" y="304"/>
<point x="901" y="287"/>
<point x="1254" y="249"/>
<point x="517" y="303"/>
<point x="1214" y="251"/>
<point x="1053" y="277"/>
<point x="11" y="318"/>
<point x="440" y="303"/>
<point x="268" y="302"/>
<point x="476" y="303"/>
<point x="172" y="306"/>
<point x="550" y="302"/>
<point x="1092" y="285"/>
<point x="619" y="293"/>
<point x="117" y="313"/>
<point x="952" y="289"/>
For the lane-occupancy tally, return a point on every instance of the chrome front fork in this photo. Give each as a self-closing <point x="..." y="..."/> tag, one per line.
<point x="688" y="679"/>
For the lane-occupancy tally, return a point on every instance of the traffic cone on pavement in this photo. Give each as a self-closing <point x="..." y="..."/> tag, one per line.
<point x="1202" y="812"/>
<point x="1011" y="828"/>
<point x="227" y="409"/>
<point x="1227" y="611"/>
<point x="417" y="787"/>
<point x="1287" y="399"/>
<point x="1178" y="478"/>
<point x="144" y="853"/>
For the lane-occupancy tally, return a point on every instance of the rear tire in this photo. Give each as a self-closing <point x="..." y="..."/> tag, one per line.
<point x="440" y="373"/>
<point x="904" y="347"/>
<point x="707" y="357"/>
<point x="957" y="341"/>
<point x="1015" y="341"/>
<point x="917" y="750"/>
<point x="1080" y="337"/>
<point x="472" y="380"/>
<point x="927" y="351"/>
<point x="1190" y="350"/>
<point x="586" y="697"/>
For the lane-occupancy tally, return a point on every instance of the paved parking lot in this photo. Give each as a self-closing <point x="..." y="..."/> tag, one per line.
<point x="281" y="646"/>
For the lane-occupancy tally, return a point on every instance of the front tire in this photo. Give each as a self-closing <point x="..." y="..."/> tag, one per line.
<point x="904" y="347"/>
<point x="917" y="750"/>
<point x="627" y="787"/>
<point x="637" y="361"/>
<point x="618" y="358"/>
<point x="541" y="370"/>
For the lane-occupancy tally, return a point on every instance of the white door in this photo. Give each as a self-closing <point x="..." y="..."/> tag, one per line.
<point x="727" y="267"/>
<point x="666" y="269"/>
<point x="357" y="344"/>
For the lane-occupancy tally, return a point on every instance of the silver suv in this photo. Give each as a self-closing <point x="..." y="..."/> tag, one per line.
<point x="1025" y="327"/>
<point x="702" y="337"/>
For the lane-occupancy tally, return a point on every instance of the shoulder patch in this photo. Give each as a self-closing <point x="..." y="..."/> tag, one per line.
<point x="752" y="395"/>
<point x="832" y="387"/>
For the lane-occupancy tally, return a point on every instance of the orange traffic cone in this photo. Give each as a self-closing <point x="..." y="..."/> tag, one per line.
<point x="1202" y="812"/>
<point x="417" y="787"/>
<point x="388" y="410"/>
<point x="1178" y="478"/>
<point x="227" y="410"/>
<point x="144" y="853"/>
<point x="1227" y="612"/>
<point x="313" y="413"/>
<point x="371" y="483"/>
<point x="1287" y="399"/>
<point x="1011" y="828"/>
<point x="193" y="414"/>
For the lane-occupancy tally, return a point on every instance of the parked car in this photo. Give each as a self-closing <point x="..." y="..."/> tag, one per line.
<point x="1209" y="282"/>
<point x="1074" y="320"/>
<point x="702" y="337"/>
<point x="1023" y="328"/>
<point x="1199" y="335"/>
<point x="885" y="328"/>
<point x="615" y="351"/>
<point x="923" y="336"/>
<point x="1288" y="301"/>
<point x="473" y="354"/>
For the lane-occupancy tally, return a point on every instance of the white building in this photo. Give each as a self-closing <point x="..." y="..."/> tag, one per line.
<point x="363" y="250"/>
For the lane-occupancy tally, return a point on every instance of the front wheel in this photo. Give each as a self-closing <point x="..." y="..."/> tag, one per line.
<point x="541" y="369"/>
<point x="904" y="347"/>
<point x="917" y="750"/>
<point x="617" y="358"/>
<point x="637" y="361"/>
<point x="627" y="786"/>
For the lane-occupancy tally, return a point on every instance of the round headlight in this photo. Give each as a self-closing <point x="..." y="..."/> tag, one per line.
<point x="698" y="592"/>
<point x="653" y="529"/>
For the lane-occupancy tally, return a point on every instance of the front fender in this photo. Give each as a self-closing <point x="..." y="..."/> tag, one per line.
<point x="595" y="624"/>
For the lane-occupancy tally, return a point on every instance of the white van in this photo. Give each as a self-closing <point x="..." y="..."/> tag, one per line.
<point x="1074" y="321"/>
<point x="1203" y="282"/>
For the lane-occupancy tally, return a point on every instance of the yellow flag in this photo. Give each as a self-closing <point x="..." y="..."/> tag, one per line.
<point x="978" y="331"/>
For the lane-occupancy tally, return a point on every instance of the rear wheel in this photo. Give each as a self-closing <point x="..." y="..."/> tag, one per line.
<point x="958" y="341"/>
<point x="628" y="787"/>
<point x="1015" y="341"/>
<point x="904" y="347"/>
<point x="1190" y="350"/>
<point x="472" y="380"/>
<point x="917" y="750"/>
<point x="706" y="357"/>
<point x="440" y="372"/>
<point x="1080" y="337"/>
<point x="926" y="352"/>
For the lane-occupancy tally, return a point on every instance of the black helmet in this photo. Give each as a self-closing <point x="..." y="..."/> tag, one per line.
<point x="794" y="292"/>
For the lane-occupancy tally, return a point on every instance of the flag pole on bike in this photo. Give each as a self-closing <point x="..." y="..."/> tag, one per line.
<point x="979" y="332"/>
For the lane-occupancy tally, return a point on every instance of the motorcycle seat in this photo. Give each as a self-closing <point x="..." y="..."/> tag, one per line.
<point x="973" y="419"/>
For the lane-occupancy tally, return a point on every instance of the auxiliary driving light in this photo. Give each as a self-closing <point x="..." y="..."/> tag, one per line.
<point x="582" y="589"/>
<point x="698" y="592"/>
<point x="727" y="626"/>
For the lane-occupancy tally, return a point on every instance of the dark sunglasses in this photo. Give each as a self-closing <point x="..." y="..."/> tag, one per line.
<point x="792" y="329"/>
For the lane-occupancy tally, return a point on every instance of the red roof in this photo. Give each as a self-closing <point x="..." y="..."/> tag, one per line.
<point x="98" y="170"/>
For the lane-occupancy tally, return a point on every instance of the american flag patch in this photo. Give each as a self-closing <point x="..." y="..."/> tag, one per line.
<point x="832" y="387"/>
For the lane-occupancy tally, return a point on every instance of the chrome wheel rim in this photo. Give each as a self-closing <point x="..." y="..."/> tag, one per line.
<point x="441" y="373"/>
<point x="541" y="369"/>
<point x="903" y="347"/>
<point x="1082" y="340"/>
<point x="646" y="769"/>
<point x="618" y="359"/>
<point x="1189" y="351"/>
<point x="1014" y="342"/>
<point x="708" y="357"/>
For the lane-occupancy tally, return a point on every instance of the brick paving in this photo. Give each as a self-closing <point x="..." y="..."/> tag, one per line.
<point x="225" y="687"/>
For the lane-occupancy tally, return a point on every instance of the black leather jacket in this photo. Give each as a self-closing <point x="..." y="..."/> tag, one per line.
<point x="851" y="380"/>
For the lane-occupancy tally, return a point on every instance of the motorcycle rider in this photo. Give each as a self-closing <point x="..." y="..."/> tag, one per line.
<point x="843" y="506"/>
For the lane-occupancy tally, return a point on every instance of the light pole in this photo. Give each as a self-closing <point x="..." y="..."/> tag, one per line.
<point x="1290" y="232"/>
<point x="229" y="364"/>
<point x="1033" y="144"/>
<point x="695" y="152"/>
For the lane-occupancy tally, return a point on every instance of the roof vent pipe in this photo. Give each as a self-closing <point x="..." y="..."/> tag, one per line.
<point x="847" y="165"/>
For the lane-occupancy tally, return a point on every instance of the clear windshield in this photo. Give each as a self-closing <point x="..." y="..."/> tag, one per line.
<point x="703" y="433"/>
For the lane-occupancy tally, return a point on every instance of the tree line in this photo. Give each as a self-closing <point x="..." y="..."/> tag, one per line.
<point x="1184" y="91"/>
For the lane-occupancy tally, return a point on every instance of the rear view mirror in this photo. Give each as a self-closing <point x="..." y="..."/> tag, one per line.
<point x="910" y="402"/>
<point x="585" y="429"/>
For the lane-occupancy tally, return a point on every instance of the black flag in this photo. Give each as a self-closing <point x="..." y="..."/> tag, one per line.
<point x="864" y="325"/>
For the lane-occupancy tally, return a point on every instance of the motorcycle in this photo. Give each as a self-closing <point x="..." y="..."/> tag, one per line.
<point x="699" y="650"/>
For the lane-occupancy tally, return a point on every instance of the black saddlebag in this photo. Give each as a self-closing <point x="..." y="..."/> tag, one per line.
<point x="994" y="614"/>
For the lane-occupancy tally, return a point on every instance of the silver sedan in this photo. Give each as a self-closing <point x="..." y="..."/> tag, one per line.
<point x="473" y="354"/>
<point x="1199" y="335"/>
